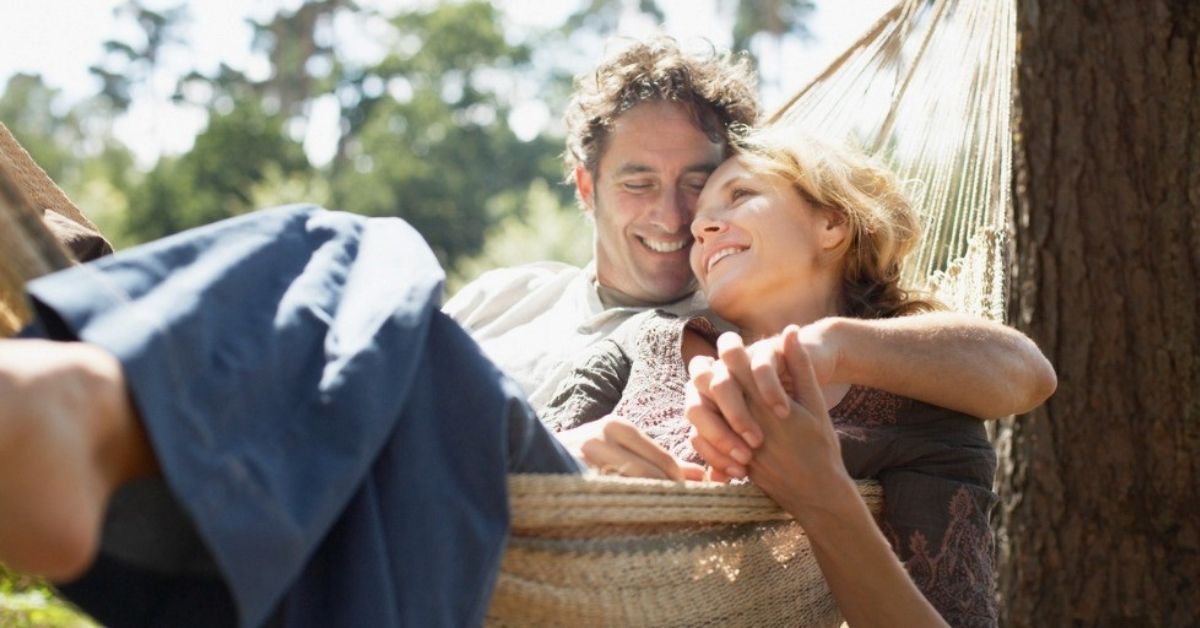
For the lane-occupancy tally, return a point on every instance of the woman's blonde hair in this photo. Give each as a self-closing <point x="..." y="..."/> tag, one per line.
<point x="882" y="223"/>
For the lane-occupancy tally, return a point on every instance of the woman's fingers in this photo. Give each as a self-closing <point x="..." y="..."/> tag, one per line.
<point x="723" y="466"/>
<point x="732" y="383"/>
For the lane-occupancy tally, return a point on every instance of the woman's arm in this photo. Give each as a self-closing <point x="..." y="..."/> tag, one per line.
<point x="799" y="464"/>
<point x="867" y="580"/>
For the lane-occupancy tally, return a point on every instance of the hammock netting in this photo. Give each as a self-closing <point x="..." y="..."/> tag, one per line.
<point x="928" y="90"/>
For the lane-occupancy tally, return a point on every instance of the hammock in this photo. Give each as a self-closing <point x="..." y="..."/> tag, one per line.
<point x="927" y="89"/>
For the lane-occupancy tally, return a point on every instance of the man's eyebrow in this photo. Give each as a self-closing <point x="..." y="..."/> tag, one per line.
<point x="706" y="168"/>
<point x="636" y="168"/>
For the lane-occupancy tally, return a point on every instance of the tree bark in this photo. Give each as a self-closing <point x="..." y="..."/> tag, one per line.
<point x="1100" y="515"/>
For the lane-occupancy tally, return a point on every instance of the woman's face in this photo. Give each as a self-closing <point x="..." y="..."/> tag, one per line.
<point x="759" y="245"/>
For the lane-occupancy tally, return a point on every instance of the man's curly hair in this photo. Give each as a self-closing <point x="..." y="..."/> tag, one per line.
<point x="717" y="88"/>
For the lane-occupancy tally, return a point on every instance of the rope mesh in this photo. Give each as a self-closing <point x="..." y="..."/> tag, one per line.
<point x="928" y="90"/>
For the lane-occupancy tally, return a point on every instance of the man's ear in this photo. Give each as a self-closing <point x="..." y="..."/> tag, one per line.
<point x="585" y="188"/>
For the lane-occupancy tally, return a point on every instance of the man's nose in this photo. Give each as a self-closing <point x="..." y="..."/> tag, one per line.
<point x="672" y="212"/>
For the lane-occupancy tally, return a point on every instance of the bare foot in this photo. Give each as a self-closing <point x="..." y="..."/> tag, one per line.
<point x="68" y="437"/>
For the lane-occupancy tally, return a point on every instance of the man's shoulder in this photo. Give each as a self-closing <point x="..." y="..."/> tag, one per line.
<point x="499" y="289"/>
<point x="529" y="275"/>
<point x="525" y="277"/>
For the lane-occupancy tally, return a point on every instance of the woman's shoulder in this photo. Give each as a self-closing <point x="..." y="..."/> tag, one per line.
<point x="658" y="334"/>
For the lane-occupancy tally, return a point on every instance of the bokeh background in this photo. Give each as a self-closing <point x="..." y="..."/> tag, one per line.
<point x="157" y="116"/>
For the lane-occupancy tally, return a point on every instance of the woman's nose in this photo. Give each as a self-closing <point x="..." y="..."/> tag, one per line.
<point x="705" y="226"/>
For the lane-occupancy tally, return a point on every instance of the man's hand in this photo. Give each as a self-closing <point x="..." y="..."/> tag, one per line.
<point x="614" y="444"/>
<point x="720" y="392"/>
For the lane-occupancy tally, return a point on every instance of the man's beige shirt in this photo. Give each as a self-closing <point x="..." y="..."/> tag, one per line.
<point x="535" y="320"/>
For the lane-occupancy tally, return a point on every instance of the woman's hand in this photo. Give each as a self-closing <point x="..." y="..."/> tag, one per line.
<point x="720" y="392"/>
<point x="614" y="444"/>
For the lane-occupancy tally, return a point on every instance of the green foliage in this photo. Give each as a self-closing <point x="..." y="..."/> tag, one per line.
<point x="536" y="226"/>
<point x="215" y="179"/>
<point x="27" y="602"/>
<point x="436" y="156"/>
<point x="27" y="108"/>
<point x="437" y="170"/>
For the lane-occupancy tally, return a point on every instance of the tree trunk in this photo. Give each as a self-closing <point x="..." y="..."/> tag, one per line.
<point x="1100" y="522"/>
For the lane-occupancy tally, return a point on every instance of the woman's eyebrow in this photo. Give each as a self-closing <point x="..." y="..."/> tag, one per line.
<point x="731" y="181"/>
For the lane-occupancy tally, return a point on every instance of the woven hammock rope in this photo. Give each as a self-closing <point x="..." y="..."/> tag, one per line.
<point x="606" y="551"/>
<point x="928" y="90"/>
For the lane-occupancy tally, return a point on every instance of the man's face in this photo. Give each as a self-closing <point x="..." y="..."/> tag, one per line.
<point x="642" y="199"/>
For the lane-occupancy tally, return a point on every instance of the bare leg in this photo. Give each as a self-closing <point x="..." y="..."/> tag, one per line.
<point x="69" y="436"/>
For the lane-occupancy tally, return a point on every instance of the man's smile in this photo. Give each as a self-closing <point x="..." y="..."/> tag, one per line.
<point x="665" y="246"/>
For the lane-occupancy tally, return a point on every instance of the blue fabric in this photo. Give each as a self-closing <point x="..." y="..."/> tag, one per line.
<point x="338" y="443"/>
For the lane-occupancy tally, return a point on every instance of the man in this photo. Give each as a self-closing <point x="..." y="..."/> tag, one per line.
<point x="644" y="130"/>
<point x="335" y="453"/>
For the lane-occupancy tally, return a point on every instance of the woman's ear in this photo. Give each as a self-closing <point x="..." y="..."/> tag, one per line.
<point x="835" y="229"/>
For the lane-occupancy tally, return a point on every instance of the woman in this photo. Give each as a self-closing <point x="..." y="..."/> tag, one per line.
<point x="790" y="232"/>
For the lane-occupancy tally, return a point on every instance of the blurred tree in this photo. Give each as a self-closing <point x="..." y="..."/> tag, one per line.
<point x="536" y="226"/>
<point x="214" y="180"/>
<point x="295" y="47"/>
<point x="435" y="145"/>
<point x="28" y="109"/>
<point x="604" y="16"/>
<point x="128" y="64"/>
<point x="760" y="28"/>
<point x="773" y="18"/>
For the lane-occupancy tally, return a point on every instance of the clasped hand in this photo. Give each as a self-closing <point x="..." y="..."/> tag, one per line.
<point x="760" y="412"/>
<point x="756" y="412"/>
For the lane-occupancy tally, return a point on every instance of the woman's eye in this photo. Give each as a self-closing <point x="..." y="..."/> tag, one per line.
<point x="739" y="193"/>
